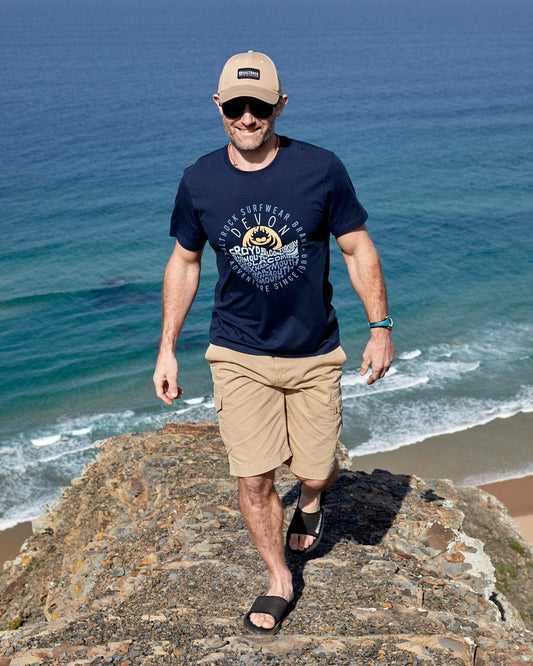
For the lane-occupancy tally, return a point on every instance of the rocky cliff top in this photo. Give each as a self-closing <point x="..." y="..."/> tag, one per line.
<point x="146" y="560"/>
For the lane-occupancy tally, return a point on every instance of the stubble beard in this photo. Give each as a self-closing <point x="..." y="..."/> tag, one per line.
<point x="249" y="148"/>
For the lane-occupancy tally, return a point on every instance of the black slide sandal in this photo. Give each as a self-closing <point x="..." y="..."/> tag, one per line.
<point x="278" y="607"/>
<point x="307" y="523"/>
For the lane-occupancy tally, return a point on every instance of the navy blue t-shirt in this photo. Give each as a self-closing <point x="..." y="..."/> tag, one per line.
<point x="270" y="231"/>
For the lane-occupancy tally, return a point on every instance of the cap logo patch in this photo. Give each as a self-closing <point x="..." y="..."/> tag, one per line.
<point x="248" y="73"/>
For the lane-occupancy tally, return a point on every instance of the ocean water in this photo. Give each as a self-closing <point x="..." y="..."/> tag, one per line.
<point x="103" y="104"/>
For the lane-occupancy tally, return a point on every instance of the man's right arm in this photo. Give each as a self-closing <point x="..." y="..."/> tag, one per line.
<point x="180" y="284"/>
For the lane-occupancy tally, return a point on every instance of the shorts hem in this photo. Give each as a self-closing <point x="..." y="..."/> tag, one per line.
<point x="243" y="471"/>
<point x="315" y="474"/>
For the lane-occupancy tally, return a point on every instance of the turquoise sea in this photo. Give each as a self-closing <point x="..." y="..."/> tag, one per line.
<point x="104" y="103"/>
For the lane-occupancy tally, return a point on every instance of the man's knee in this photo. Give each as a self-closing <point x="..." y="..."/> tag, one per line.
<point x="257" y="488"/>
<point x="321" y="484"/>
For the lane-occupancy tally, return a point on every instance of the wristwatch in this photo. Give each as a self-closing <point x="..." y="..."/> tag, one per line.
<point x="386" y="323"/>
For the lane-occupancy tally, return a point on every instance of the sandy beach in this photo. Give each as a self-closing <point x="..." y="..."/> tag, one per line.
<point x="12" y="539"/>
<point x="473" y="457"/>
<point x="461" y="457"/>
<point x="517" y="495"/>
<point x="498" y="450"/>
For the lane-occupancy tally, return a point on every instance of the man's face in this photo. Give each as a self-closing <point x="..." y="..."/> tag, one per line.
<point x="248" y="132"/>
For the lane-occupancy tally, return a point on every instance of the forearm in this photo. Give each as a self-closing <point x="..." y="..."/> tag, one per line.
<point x="366" y="276"/>
<point x="180" y="284"/>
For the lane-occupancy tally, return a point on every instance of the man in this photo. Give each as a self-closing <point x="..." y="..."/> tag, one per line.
<point x="267" y="205"/>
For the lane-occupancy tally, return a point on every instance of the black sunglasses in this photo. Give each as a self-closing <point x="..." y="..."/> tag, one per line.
<point x="234" y="108"/>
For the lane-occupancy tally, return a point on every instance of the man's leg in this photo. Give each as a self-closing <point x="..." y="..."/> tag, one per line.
<point x="263" y="514"/>
<point x="310" y="503"/>
<point x="314" y="421"/>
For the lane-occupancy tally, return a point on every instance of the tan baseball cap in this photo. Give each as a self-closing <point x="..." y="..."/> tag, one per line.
<point x="249" y="74"/>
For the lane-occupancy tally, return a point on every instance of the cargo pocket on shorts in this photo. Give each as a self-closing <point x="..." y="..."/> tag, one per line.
<point x="337" y="407"/>
<point x="219" y="401"/>
<point x="217" y="395"/>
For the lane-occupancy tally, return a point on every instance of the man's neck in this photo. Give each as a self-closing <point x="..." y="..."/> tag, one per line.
<point x="254" y="160"/>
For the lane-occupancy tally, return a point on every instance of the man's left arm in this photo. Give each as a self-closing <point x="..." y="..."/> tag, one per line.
<point x="366" y="276"/>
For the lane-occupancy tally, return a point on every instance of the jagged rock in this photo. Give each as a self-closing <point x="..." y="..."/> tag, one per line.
<point x="146" y="560"/>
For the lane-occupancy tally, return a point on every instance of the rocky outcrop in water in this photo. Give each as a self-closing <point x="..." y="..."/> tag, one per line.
<point x="146" y="560"/>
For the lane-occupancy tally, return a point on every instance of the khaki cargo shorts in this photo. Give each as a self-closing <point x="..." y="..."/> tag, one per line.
<point x="274" y="410"/>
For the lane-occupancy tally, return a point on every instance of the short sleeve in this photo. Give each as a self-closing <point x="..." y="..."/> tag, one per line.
<point x="184" y="223"/>
<point x="345" y="212"/>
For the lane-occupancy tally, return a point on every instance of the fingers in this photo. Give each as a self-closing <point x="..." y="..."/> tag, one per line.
<point x="378" y="357"/>
<point x="166" y="393"/>
<point x="376" y="374"/>
<point x="172" y="390"/>
<point x="163" y="393"/>
<point x="166" y="381"/>
<point x="379" y="370"/>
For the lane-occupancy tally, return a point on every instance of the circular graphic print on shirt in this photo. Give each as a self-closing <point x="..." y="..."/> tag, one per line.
<point x="264" y="246"/>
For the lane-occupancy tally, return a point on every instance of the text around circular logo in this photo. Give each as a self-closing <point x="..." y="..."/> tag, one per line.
<point x="264" y="246"/>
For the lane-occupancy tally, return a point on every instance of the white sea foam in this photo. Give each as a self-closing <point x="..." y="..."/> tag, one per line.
<point x="448" y="370"/>
<point x="392" y="428"/>
<point x="198" y="409"/>
<point x="357" y="387"/>
<point x="194" y="401"/>
<point x="80" y="432"/>
<point x="449" y="388"/>
<point x="496" y="476"/>
<point x="408" y="356"/>
<point x="351" y="378"/>
<point x="439" y="366"/>
<point x="21" y="515"/>
<point x="46" y="440"/>
<point x="31" y="477"/>
<point x="64" y="454"/>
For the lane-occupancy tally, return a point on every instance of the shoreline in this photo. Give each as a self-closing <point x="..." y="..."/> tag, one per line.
<point x="491" y="453"/>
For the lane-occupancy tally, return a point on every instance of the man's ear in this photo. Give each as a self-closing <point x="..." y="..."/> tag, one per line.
<point x="281" y="105"/>
<point x="217" y="102"/>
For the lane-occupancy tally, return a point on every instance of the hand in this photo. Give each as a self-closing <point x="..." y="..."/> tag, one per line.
<point x="166" y="379"/>
<point x="378" y="354"/>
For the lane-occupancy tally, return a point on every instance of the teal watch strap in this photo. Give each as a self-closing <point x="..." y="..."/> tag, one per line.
<point x="386" y="323"/>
